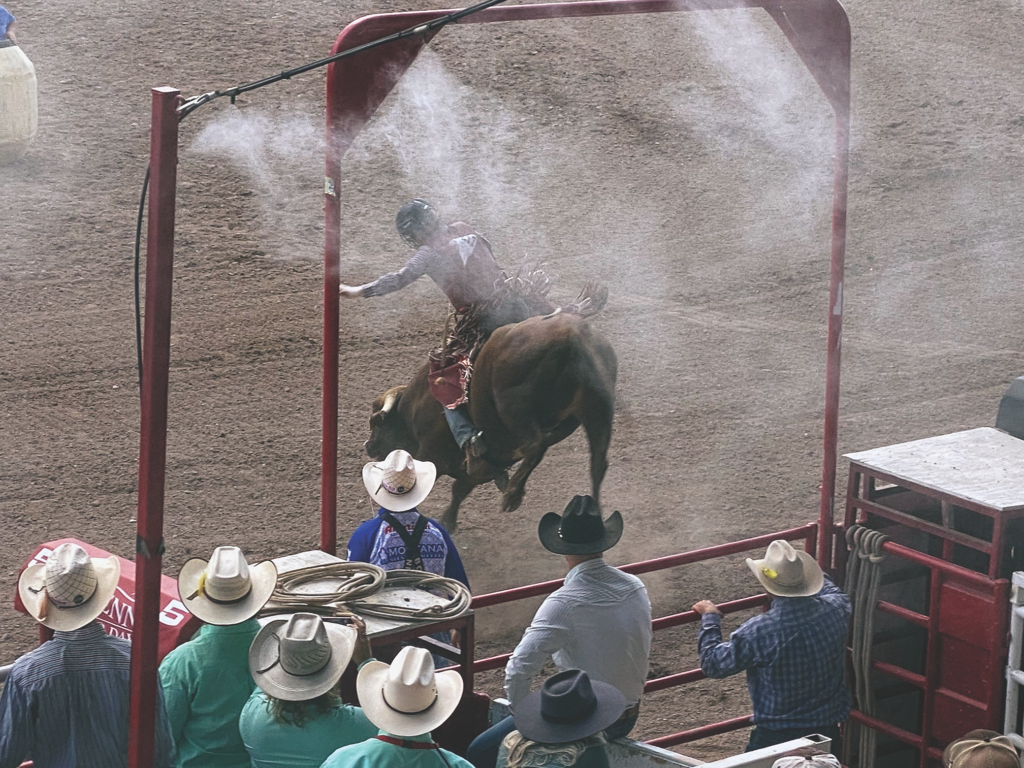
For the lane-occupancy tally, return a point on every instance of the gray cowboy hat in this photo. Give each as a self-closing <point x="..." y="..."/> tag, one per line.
<point x="301" y="657"/>
<point x="568" y="707"/>
<point x="579" y="530"/>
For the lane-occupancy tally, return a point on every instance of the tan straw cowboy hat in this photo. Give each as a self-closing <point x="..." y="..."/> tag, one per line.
<point x="788" y="572"/>
<point x="407" y="698"/>
<point x="399" y="482"/>
<point x="70" y="589"/>
<point x="225" y="590"/>
<point x="981" y="749"/>
<point x="300" y="658"/>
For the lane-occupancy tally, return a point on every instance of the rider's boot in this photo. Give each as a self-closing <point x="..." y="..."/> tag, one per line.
<point x="469" y="438"/>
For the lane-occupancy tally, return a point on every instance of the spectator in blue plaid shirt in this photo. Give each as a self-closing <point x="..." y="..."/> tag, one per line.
<point x="793" y="654"/>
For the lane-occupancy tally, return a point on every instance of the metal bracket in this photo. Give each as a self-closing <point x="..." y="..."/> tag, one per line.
<point x="141" y="548"/>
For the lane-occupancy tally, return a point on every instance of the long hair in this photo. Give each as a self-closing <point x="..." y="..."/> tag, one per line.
<point x="523" y="753"/>
<point x="298" y="713"/>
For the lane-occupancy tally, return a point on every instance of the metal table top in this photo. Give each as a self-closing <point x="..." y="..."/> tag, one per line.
<point x="985" y="466"/>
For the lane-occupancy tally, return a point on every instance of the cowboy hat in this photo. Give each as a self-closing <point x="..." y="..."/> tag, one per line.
<point x="981" y="749"/>
<point x="787" y="572"/>
<point x="579" y="530"/>
<point x="300" y="658"/>
<point x="225" y="590"/>
<point x="568" y="707"/>
<point x="70" y="589"/>
<point x="399" y="482"/>
<point x="407" y="698"/>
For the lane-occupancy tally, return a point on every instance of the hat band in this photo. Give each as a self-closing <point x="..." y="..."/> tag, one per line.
<point x="212" y="599"/>
<point x="572" y="718"/>
<point x="593" y="537"/>
<point x="789" y="582"/>
<point x="384" y="696"/>
<point x="397" y="490"/>
<point x="58" y="606"/>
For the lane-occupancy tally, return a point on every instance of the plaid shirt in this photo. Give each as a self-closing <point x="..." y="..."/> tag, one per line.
<point x="793" y="655"/>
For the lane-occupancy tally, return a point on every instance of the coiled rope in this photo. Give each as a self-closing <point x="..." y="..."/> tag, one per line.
<point x="358" y="581"/>
<point x="863" y="578"/>
<point x="455" y="594"/>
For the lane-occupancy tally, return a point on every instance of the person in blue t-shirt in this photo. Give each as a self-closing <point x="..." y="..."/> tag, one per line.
<point x="399" y="536"/>
<point x="7" y="26"/>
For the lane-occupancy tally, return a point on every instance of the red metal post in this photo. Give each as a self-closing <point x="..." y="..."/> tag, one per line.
<point x="156" y="352"/>
<point x="329" y="396"/>
<point x="835" y="337"/>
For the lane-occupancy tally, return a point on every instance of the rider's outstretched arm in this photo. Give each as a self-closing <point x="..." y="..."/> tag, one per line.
<point x="413" y="270"/>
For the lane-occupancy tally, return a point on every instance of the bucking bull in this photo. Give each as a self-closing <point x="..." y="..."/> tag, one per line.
<point x="533" y="384"/>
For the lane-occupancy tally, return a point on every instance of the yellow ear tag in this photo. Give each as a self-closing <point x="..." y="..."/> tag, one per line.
<point x="199" y="586"/>
<point x="771" y="574"/>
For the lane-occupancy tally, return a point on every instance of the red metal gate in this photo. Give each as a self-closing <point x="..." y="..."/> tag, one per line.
<point x="806" y="532"/>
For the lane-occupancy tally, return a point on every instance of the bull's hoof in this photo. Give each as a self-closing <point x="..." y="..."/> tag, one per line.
<point x="512" y="500"/>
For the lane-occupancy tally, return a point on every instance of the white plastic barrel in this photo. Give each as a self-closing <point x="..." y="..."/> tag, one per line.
<point x="19" y="111"/>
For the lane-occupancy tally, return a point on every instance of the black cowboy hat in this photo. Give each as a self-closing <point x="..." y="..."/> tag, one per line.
<point x="579" y="530"/>
<point x="568" y="707"/>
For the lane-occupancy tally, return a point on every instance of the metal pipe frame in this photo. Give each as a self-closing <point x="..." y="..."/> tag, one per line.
<point x="941" y="571"/>
<point x="156" y="354"/>
<point x="819" y="32"/>
<point x="806" y="532"/>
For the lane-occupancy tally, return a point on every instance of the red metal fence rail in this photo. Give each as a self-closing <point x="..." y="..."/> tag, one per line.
<point x="806" y="532"/>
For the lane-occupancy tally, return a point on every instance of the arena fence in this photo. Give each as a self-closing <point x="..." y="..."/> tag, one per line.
<point x="806" y="532"/>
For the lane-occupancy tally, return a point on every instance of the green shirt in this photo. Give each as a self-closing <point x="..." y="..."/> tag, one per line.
<point x="278" y="745"/>
<point x="375" y="753"/>
<point x="206" y="683"/>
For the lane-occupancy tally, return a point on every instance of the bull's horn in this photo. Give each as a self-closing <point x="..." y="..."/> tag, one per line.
<point x="389" y="403"/>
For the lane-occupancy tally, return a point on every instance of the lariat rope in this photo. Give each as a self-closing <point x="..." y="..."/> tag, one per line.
<point x="456" y="594"/>
<point x="359" y="580"/>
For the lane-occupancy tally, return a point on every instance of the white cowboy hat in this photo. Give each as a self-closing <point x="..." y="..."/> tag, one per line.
<point x="300" y="658"/>
<point x="70" y="589"/>
<point x="407" y="698"/>
<point x="225" y="590"/>
<point x="399" y="482"/>
<point x="788" y="572"/>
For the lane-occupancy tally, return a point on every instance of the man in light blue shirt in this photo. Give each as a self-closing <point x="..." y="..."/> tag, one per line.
<point x="599" y="621"/>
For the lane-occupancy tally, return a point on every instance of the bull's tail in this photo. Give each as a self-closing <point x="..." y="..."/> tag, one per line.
<point x="590" y="301"/>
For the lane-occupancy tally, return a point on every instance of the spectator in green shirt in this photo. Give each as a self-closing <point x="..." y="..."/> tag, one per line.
<point x="406" y="700"/>
<point x="296" y="719"/>
<point x="206" y="681"/>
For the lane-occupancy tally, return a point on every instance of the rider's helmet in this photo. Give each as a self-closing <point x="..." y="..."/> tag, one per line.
<point x="417" y="217"/>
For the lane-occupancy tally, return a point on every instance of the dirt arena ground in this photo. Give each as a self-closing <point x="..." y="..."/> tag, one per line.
<point x="685" y="160"/>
